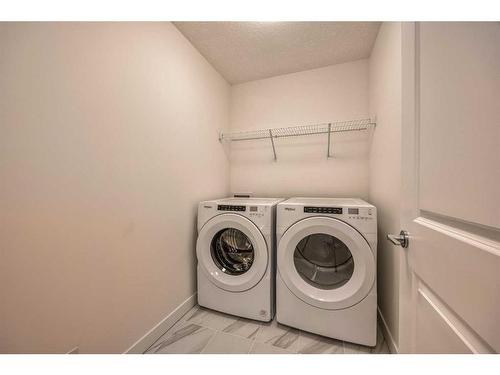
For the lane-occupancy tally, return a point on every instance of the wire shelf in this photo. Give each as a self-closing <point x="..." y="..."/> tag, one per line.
<point x="301" y="130"/>
<point x="294" y="131"/>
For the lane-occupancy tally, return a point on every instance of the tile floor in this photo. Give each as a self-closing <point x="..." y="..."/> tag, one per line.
<point x="206" y="331"/>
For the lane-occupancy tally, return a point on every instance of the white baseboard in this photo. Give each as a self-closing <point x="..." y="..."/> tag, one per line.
<point x="163" y="326"/>
<point x="387" y="334"/>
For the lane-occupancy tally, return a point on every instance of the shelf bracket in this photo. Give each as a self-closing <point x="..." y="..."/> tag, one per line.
<point x="329" y="134"/>
<point x="272" y="143"/>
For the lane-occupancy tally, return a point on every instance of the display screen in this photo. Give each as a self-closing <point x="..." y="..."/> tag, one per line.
<point x="253" y="208"/>
<point x="323" y="210"/>
<point x="223" y="207"/>
<point x="353" y="211"/>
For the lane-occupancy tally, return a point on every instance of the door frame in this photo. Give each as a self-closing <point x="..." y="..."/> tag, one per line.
<point x="409" y="177"/>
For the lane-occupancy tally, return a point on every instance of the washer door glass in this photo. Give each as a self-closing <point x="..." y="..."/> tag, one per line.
<point x="323" y="261"/>
<point x="232" y="251"/>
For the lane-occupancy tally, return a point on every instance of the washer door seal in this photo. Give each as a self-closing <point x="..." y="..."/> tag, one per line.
<point x="229" y="282"/>
<point x="361" y="279"/>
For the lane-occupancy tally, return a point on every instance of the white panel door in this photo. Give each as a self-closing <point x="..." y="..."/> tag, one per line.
<point x="450" y="284"/>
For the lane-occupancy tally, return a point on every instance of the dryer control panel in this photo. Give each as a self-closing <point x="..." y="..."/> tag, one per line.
<point x="224" y="207"/>
<point x="323" y="210"/>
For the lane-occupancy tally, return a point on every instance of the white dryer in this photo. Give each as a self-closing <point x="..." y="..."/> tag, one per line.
<point x="236" y="256"/>
<point x="327" y="257"/>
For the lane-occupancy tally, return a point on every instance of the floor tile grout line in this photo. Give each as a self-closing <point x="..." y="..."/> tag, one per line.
<point x="217" y="332"/>
<point x="209" y="341"/>
<point x="251" y="347"/>
<point x="241" y="337"/>
<point x="158" y="342"/>
<point x="181" y="319"/>
<point x="229" y="333"/>
<point x="232" y="335"/>
<point x="221" y="331"/>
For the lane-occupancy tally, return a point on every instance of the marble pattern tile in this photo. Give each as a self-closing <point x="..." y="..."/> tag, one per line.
<point x="261" y="348"/>
<point x="183" y="338"/>
<point x="211" y="319"/>
<point x="205" y="331"/>
<point x="350" y="348"/>
<point x="309" y="343"/>
<point x="278" y="335"/>
<point x="224" y="343"/>
<point x="194" y="312"/>
<point x="380" y="348"/>
<point x="244" y="328"/>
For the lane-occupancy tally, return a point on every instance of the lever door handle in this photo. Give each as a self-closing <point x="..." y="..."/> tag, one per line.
<point x="402" y="240"/>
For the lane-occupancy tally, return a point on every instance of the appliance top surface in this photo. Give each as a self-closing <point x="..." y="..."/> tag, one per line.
<point x="339" y="202"/>
<point x="245" y="201"/>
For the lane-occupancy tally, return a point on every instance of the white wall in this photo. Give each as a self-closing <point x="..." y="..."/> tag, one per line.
<point x="108" y="141"/>
<point x="385" y="165"/>
<point x="337" y="92"/>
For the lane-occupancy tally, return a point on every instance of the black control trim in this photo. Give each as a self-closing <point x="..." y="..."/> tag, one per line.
<point x="323" y="210"/>
<point x="223" y="207"/>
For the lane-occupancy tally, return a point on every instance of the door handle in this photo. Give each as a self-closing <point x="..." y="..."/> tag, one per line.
<point x="402" y="240"/>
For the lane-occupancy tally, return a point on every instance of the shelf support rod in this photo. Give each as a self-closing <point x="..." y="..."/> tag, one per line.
<point x="329" y="134"/>
<point x="272" y="143"/>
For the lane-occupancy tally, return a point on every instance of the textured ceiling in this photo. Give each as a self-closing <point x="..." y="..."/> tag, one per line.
<point x="246" y="51"/>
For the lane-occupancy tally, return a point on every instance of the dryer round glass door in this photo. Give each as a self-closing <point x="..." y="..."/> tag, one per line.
<point x="326" y="263"/>
<point x="232" y="252"/>
<point x="323" y="261"/>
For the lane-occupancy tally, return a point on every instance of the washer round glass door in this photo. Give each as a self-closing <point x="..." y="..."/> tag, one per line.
<point x="326" y="263"/>
<point x="232" y="252"/>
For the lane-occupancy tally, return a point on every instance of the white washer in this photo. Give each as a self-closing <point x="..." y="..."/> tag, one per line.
<point x="327" y="257"/>
<point x="236" y="256"/>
